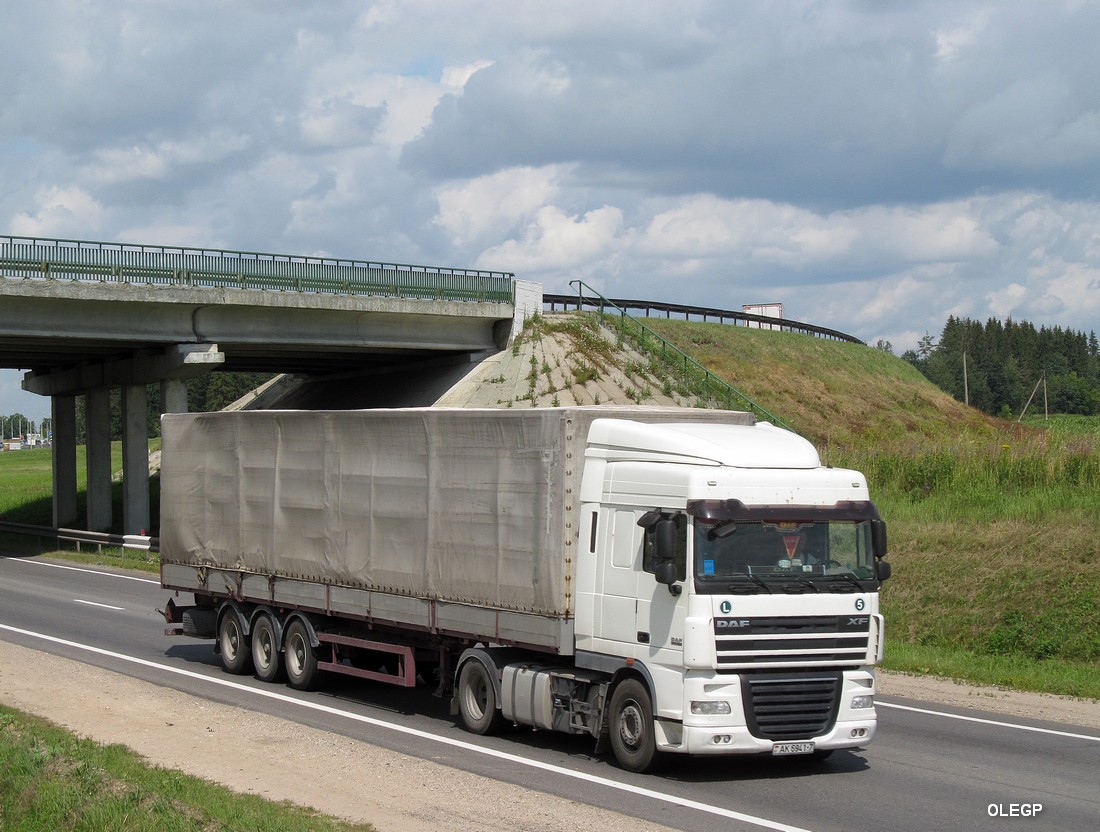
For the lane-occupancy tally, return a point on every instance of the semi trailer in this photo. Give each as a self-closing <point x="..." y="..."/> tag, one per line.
<point x="664" y="580"/>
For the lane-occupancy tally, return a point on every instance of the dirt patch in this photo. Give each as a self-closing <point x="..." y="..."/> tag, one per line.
<point x="281" y="760"/>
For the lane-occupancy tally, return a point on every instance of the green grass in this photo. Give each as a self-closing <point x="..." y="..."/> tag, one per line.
<point x="1013" y="672"/>
<point x="52" y="781"/>
<point x="26" y="486"/>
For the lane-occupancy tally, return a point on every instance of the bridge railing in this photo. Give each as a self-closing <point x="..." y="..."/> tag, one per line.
<point x="87" y="261"/>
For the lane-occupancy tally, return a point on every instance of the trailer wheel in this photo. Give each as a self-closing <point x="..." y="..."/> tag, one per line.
<point x="477" y="700"/>
<point x="632" y="737"/>
<point x="265" y="650"/>
<point x="233" y="644"/>
<point x="301" y="658"/>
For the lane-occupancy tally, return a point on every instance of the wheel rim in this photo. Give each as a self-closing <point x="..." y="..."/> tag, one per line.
<point x="295" y="655"/>
<point x="631" y="725"/>
<point x="231" y="641"/>
<point x="266" y="647"/>
<point x="476" y="696"/>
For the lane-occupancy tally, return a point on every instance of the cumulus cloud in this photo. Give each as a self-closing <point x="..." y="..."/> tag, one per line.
<point x="559" y="243"/>
<point x="495" y="204"/>
<point x="61" y="212"/>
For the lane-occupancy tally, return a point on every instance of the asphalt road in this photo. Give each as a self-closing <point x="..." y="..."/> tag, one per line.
<point x="928" y="769"/>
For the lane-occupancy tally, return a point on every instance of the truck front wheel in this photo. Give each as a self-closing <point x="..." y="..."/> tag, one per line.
<point x="477" y="699"/>
<point x="233" y="644"/>
<point x="301" y="658"/>
<point x="632" y="736"/>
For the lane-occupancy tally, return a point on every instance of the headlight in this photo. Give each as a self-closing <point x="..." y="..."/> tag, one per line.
<point x="710" y="708"/>
<point x="862" y="701"/>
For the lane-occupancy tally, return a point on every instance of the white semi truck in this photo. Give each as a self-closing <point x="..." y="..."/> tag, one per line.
<point x="668" y="581"/>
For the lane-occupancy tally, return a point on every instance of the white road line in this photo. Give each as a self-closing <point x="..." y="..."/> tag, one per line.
<point x="96" y="604"/>
<point x="1015" y="725"/>
<point x="81" y="569"/>
<point x="465" y="746"/>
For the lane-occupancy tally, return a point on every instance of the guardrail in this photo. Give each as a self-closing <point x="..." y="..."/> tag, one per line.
<point x="133" y="542"/>
<point x="132" y="263"/>
<point x="694" y="373"/>
<point x="704" y="312"/>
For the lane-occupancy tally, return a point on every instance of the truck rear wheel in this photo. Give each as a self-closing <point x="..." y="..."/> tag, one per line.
<point x="477" y="699"/>
<point x="265" y="650"/>
<point x="301" y="658"/>
<point x="233" y="644"/>
<point x="632" y="737"/>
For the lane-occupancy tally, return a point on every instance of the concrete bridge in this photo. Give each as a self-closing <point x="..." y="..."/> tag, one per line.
<point x="85" y="317"/>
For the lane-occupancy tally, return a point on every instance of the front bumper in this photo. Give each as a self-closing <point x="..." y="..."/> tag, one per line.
<point x="731" y="733"/>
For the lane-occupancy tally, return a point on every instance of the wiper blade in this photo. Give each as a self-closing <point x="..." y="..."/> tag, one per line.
<point x="849" y="577"/>
<point x="734" y="588"/>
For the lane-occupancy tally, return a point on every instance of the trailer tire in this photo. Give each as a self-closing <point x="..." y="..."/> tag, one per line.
<point x="632" y="736"/>
<point x="477" y="700"/>
<point x="300" y="657"/>
<point x="266" y="657"/>
<point x="234" y="646"/>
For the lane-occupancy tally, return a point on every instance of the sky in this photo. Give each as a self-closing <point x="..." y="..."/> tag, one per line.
<point x="875" y="167"/>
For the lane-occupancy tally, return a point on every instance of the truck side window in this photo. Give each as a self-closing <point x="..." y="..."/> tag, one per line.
<point x="649" y="548"/>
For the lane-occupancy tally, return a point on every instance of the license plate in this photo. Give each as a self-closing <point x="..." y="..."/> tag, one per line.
<point x="780" y="749"/>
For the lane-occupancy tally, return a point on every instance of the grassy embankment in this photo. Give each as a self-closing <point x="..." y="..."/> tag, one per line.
<point x="51" y="780"/>
<point x="994" y="528"/>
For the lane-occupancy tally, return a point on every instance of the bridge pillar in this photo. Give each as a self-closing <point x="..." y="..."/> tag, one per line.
<point x="173" y="396"/>
<point x="135" y="459"/>
<point x="97" y="419"/>
<point x="63" y="412"/>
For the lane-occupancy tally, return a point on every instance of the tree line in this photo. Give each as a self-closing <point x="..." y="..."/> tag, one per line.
<point x="999" y="366"/>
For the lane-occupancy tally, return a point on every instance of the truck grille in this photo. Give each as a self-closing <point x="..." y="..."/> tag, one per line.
<point x="747" y="643"/>
<point x="791" y="707"/>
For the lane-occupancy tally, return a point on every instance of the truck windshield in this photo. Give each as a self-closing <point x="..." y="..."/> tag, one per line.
<point x="786" y="556"/>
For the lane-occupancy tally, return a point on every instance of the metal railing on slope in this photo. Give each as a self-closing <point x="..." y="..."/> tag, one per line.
<point x="705" y="314"/>
<point x="693" y="373"/>
<point x="92" y="262"/>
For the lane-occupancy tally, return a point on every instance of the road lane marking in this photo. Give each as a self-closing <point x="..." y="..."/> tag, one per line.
<point x="81" y="569"/>
<point x="97" y="604"/>
<point x="424" y="735"/>
<point x="1015" y="725"/>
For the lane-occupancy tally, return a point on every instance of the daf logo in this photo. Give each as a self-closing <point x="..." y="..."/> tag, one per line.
<point x="728" y="623"/>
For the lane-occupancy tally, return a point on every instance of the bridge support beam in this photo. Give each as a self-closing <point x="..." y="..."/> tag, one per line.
<point x="63" y="412"/>
<point x="135" y="459"/>
<point x="97" y="421"/>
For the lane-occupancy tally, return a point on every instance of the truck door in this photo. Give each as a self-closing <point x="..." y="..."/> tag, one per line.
<point x="618" y="601"/>
<point x="661" y="609"/>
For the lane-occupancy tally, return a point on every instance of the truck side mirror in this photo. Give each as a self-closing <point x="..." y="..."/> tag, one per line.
<point x="665" y="573"/>
<point x="878" y="538"/>
<point x="665" y="538"/>
<point x="882" y="570"/>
